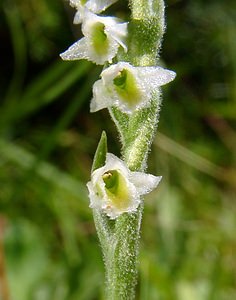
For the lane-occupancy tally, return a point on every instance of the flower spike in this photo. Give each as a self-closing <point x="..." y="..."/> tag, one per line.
<point x="95" y="6"/>
<point x="102" y="38"/>
<point x="127" y="87"/>
<point x="114" y="189"/>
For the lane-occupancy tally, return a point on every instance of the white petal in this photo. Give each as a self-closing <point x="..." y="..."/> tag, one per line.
<point x="155" y="76"/>
<point x="110" y="73"/>
<point x="150" y="76"/>
<point x="78" y="18"/>
<point x="114" y="162"/>
<point x="75" y="3"/>
<point x="145" y="183"/>
<point x="98" y="6"/>
<point x="113" y="26"/>
<point x="100" y="98"/>
<point x="89" y="20"/>
<point x="79" y="50"/>
<point x="94" y="199"/>
<point x="119" y="33"/>
<point x="83" y="49"/>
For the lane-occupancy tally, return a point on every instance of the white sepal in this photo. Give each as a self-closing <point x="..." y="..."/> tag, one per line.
<point x="95" y="6"/>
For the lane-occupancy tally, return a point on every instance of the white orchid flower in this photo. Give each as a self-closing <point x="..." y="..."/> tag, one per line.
<point x="95" y="6"/>
<point x="114" y="189"/>
<point x="102" y="38"/>
<point x="128" y="87"/>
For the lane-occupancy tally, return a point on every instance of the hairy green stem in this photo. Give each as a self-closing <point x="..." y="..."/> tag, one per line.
<point x="119" y="238"/>
<point x="121" y="264"/>
<point x="146" y="31"/>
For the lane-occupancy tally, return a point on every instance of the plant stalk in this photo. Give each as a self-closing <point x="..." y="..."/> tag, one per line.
<point x="120" y="237"/>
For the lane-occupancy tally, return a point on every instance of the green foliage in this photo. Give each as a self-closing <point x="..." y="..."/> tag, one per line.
<point x="48" y="140"/>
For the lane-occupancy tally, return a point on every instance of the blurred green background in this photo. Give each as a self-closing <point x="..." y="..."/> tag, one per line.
<point x="48" y="244"/>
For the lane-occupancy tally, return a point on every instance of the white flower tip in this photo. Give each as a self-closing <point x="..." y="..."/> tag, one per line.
<point x="171" y="75"/>
<point x="99" y="6"/>
<point x="64" y="56"/>
<point x="78" y="18"/>
<point x="67" y="55"/>
<point x="153" y="182"/>
<point x="164" y="76"/>
<point x="93" y="106"/>
<point x="157" y="181"/>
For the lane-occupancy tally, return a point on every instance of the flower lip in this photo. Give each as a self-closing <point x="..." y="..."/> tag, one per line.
<point x="115" y="190"/>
